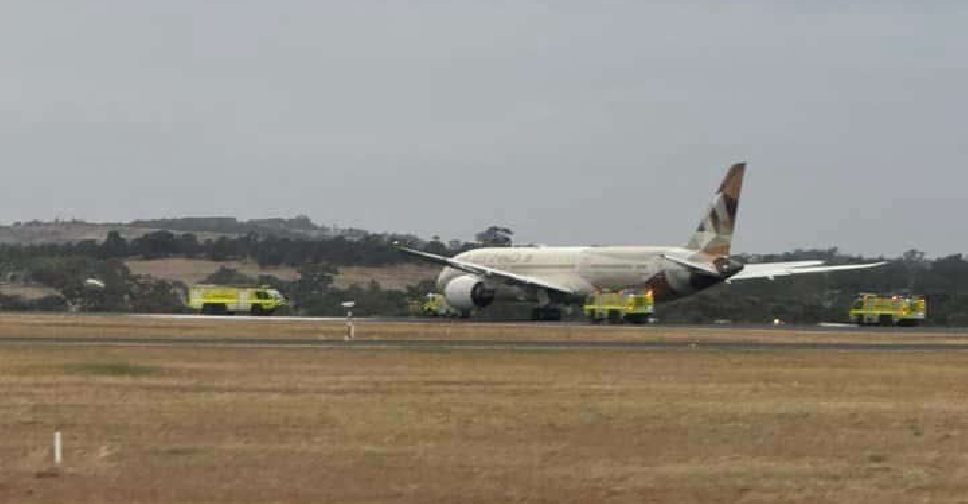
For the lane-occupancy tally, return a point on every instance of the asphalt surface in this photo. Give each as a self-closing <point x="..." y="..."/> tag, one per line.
<point x="828" y="327"/>
<point x="722" y="345"/>
<point x="724" y="337"/>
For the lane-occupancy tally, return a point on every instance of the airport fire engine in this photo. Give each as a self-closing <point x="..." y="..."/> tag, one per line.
<point x="433" y="305"/>
<point x="622" y="306"/>
<point x="893" y="310"/>
<point x="221" y="300"/>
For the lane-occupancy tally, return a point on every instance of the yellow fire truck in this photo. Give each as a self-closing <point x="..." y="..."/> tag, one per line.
<point x="221" y="300"/>
<point x="433" y="305"/>
<point x="622" y="306"/>
<point x="876" y="309"/>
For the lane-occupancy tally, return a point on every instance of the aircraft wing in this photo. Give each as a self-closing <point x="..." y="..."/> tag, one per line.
<point x="485" y="272"/>
<point x="771" y="270"/>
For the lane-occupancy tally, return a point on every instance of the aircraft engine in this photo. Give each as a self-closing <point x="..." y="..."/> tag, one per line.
<point x="468" y="291"/>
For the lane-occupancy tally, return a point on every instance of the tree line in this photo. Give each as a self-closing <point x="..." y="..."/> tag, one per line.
<point x="817" y="298"/>
<point x="794" y="299"/>
<point x="270" y="250"/>
<point x="65" y="267"/>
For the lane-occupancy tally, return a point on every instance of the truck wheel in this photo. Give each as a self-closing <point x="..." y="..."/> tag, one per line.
<point x="545" y="313"/>
<point x="886" y="321"/>
<point x="214" y="309"/>
<point x="257" y="310"/>
<point x="636" y="318"/>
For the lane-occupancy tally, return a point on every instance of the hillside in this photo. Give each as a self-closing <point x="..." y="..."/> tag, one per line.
<point x="191" y="271"/>
<point x="64" y="232"/>
<point x="43" y="266"/>
<point x="146" y="266"/>
<point x="72" y="232"/>
<point x="204" y="228"/>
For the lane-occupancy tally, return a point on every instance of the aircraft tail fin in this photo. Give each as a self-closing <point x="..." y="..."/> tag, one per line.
<point x="715" y="232"/>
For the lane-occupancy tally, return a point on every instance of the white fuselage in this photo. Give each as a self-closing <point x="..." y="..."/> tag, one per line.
<point x="584" y="270"/>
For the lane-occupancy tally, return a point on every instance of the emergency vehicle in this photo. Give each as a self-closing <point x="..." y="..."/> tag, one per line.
<point x="622" y="306"/>
<point x="436" y="305"/>
<point x="888" y="310"/>
<point x="222" y="300"/>
<point x="433" y="305"/>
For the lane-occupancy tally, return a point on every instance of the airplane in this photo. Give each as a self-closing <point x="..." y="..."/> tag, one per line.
<point x="551" y="277"/>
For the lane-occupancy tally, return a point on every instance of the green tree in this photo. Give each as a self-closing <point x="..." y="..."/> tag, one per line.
<point x="114" y="246"/>
<point x="495" y="236"/>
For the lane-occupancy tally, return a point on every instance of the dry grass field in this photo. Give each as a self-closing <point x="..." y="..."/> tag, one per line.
<point x="225" y="424"/>
<point x="192" y="271"/>
<point x="397" y="277"/>
<point x="28" y="292"/>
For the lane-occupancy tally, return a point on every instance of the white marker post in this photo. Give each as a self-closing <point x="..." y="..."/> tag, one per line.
<point x="57" y="448"/>
<point x="350" y="329"/>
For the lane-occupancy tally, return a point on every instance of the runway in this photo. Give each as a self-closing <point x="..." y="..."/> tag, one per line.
<point x="823" y="327"/>
<point x="515" y="345"/>
<point x="419" y="334"/>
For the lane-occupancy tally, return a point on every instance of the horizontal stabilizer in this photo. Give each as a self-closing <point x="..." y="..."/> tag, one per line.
<point x="704" y="267"/>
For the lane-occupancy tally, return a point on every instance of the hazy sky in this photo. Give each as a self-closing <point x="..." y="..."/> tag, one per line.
<point x="570" y="122"/>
